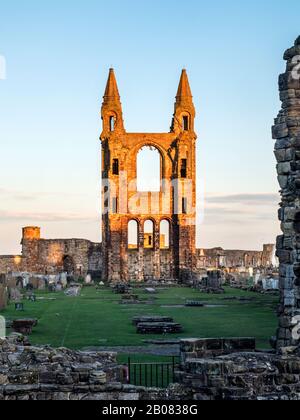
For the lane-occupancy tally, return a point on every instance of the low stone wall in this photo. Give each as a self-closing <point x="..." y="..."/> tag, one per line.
<point x="237" y="374"/>
<point x="44" y="373"/>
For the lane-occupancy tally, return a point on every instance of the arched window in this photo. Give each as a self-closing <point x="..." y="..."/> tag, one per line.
<point x="164" y="234"/>
<point x="133" y="234"/>
<point x="149" y="234"/>
<point x="185" y="123"/>
<point x="112" y="122"/>
<point x="148" y="170"/>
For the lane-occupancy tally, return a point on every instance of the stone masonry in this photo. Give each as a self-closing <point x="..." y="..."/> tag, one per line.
<point x="53" y="256"/>
<point x="176" y="205"/>
<point x="286" y="131"/>
<point x="80" y="256"/>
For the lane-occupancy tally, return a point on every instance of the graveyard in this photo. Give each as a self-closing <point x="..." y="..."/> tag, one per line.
<point x="97" y="318"/>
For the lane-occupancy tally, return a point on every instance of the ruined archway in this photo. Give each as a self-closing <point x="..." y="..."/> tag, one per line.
<point x="148" y="169"/>
<point x="68" y="264"/>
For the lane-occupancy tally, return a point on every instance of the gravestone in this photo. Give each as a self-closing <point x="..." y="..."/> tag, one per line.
<point x="3" y="279"/>
<point x="194" y="304"/>
<point x="3" y="297"/>
<point x="212" y="283"/>
<point x="88" y="279"/>
<point x="159" y="328"/>
<point x="73" y="291"/>
<point x="24" y="326"/>
<point x="14" y="294"/>
<point x="19" y="307"/>
<point x="151" y="319"/>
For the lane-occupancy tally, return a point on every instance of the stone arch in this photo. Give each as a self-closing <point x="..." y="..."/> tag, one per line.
<point x="148" y="161"/>
<point x="133" y="234"/>
<point x="149" y="233"/>
<point x="132" y="158"/>
<point x="165" y="233"/>
<point x="68" y="264"/>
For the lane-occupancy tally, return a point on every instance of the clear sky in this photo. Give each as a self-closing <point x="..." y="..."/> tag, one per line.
<point x="58" y="54"/>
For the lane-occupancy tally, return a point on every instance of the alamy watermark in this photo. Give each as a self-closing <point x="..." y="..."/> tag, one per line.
<point x="2" y="67"/>
<point x="296" y="329"/>
<point x="176" y="197"/>
<point x="296" y="68"/>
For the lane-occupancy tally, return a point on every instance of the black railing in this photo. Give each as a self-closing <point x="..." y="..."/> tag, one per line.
<point x="152" y="375"/>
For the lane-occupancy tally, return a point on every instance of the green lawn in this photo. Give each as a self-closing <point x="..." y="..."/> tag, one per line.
<point x="97" y="319"/>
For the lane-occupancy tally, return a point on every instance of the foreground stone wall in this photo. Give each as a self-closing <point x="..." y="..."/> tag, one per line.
<point x="286" y="131"/>
<point x="231" y="369"/>
<point x="44" y="373"/>
<point x="227" y="369"/>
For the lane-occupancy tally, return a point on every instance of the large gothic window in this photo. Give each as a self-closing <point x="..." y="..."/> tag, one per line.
<point x="149" y="234"/>
<point x="133" y="234"/>
<point x="148" y="170"/>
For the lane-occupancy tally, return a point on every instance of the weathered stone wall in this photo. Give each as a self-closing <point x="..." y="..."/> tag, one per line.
<point x="10" y="263"/>
<point x="219" y="257"/>
<point x="44" y="373"/>
<point x="52" y="256"/>
<point x="175" y="147"/>
<point x="286" y="131"/>
<point x="231" y="369"/>
<point x="223" y="369"/>
<point x="76" y="256"/>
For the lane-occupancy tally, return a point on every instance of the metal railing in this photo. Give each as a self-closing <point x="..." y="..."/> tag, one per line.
<point x="152" y="375"/>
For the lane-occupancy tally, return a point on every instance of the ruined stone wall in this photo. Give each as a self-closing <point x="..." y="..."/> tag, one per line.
<point x="52" y="256"/>
<point x="231" y="369"/>
<point x="124" y="203"/>
<point x="77" y="256"/>
<point x="286" y="131"/>
<point x="218" y="257"/>
<point x="11" y="263"/>
<point x="221" y="369"/>
<point x="44" y="373"/>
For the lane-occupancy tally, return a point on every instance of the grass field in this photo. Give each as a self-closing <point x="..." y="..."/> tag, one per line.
<point x="97" y="319"/>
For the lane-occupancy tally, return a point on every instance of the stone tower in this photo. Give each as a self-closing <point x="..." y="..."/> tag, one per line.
<point x="128" y="213"/>
<point x="286" y="132"/>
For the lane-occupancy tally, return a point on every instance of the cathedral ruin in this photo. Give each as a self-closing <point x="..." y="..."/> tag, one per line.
<point x="146" y="235"/>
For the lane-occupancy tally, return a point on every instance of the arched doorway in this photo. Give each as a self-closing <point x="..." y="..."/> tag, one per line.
<point x="68" y="264"/>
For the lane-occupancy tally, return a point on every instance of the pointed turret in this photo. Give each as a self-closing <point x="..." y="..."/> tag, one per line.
<point x="184" y="90"/>
<point x="111" y="92"/>
<point x="112" y="114"/>
<point x="185" y="112"/>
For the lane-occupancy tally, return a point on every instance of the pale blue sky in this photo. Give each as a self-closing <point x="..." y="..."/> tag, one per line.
<point x="58" y="55"/>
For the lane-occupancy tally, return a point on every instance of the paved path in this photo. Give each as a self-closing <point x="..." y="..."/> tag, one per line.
<point x="154" y="350"/>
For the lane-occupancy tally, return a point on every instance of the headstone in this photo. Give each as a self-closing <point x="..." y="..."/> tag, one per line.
<point x="73" y="291"/>
<point x="151" y="291"/>
<point x="64" y="280"/>
<point x="14" y="294"/>
<point x="24" y="326"/>
<point x="19" y="307"/>
<point x="3" y="297"/>
<point x="34" y="282"/>
<point x="3" y="279"/>
<point x="88" y="279"/>
<point x="159" y="328"/>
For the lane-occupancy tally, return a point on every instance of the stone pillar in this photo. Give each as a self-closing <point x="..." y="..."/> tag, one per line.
<point x="286" y="131"/>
